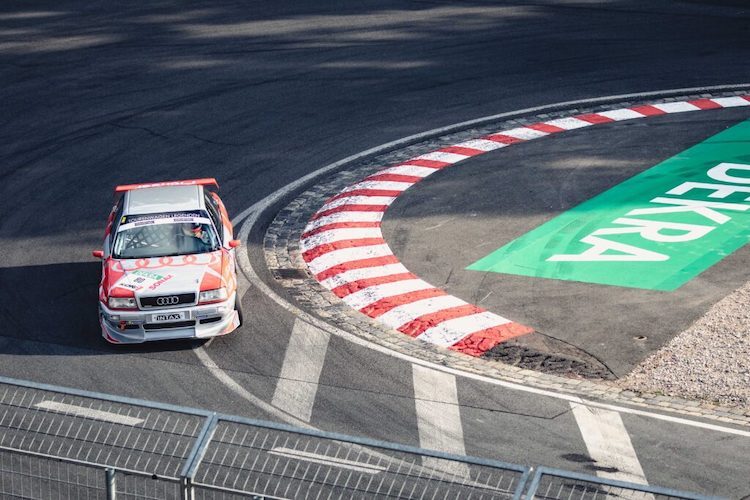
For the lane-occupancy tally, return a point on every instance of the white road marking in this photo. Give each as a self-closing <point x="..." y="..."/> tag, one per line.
<point x="608" y="443"/>
<point x="375" y="184"/>
<point x="336" y="257"/>
<point x="439" y="418"/>
<point x="412" y="170"/>
<point x="676" y="107"/>
<point x="326" y="460"/>
<point x="363" y="273"/>
<point x="333" y="235"/>
<point x="81" y="411"/>
<point x="621" y="114"/>
<point x="347" y="216"/>
<point x="357" y="200"/>
<point x="442" y="156"/>
<point x="406" y="313"/>
<point x="300" y="373"/>
<point x="569" y="123"/>
<point x="523" y="133"/>
<point x="451" y="331"/>
<point x="363" y="298"/>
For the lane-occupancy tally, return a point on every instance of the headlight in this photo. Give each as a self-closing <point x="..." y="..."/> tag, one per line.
<point x="212" y="295"/>
<point x="122" y="303"/>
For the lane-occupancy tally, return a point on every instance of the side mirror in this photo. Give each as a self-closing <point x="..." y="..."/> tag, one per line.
<point x="99" y="254"/>
<point x="234" y="243"/>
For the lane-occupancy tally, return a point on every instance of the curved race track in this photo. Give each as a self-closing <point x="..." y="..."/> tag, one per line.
<point x="257" y="96"/>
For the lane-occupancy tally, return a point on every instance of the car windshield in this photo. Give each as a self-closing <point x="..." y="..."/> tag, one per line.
<point x="162" y="235"/>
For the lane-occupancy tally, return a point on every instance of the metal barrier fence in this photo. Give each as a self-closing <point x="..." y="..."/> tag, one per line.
<point x="58" y="443"/>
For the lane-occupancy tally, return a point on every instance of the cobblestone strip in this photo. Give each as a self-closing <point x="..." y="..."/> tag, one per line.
<point x="285" y="262"/>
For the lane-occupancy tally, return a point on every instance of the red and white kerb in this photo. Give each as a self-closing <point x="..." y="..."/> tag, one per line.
<point x="344" y="248"/>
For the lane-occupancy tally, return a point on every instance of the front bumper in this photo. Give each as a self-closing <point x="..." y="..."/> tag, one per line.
<point x="200" y="321"/>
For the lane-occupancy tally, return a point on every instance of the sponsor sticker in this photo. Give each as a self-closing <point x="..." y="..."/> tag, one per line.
<point x="167" y="317"/>
<point x="133" y="221"/>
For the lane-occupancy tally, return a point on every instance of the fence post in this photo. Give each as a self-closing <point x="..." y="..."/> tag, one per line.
<point x="186" y="488"/>
<point x="196" y="455"/>
<point x="110" y="483"/>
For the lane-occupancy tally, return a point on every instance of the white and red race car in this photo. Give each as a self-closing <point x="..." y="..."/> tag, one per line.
<point x="168" y="264"/>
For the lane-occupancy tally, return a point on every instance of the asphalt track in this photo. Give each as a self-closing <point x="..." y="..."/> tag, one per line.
<point x="96" y="94"/>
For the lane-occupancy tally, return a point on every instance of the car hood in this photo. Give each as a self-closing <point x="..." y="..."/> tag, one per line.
<point x="166" y="275"/>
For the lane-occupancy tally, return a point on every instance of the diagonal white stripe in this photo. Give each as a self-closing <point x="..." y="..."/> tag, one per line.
<point x="568" y="123"/>
<point x="482" y="145"/>
<point x="348" y="216"/>
<point x="608" y="443"/>
<point x="449" y="332"/>
<point x="82" y="411"/>
<point x="524" y="133"/>
<point x="389" y="185"/>
<point x="330" y="259"/>
<point x="372" y="294"/>
<point x="621" y="114"/>
<point x="731" y="102"/>
<point x="364" y="273"/>
<point x="358" y="200"/>
<point x="303" y="362"/>
<point x="676" y="107"/>
<point x="439" y="418"/>
<point x="413" y="170"/>
<point x="442" y="156"/>
<point x="343" y="234"/>
<point x="401" y="315"/>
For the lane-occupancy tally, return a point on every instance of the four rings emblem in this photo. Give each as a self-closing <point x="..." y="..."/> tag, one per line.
<point x="167" y="301"/>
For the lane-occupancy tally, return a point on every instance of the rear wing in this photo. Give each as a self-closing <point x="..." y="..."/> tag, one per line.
<point x="209" y="181"/>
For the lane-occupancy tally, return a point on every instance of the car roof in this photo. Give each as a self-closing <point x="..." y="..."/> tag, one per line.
<point x="163" y="199"/>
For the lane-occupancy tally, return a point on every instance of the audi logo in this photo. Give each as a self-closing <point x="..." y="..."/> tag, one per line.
<point x="167" y="301"/>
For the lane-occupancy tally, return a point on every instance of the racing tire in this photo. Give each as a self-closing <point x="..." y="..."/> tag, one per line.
<point x="238" y="308"/>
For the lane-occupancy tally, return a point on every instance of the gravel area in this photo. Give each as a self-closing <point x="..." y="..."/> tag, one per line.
<point x="710" y="361"/>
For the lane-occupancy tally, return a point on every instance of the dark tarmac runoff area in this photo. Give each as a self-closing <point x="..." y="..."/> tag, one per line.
<point x="462" y="214"/>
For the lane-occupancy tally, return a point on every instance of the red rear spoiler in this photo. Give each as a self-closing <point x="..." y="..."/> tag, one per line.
<point x="209" y="181"/>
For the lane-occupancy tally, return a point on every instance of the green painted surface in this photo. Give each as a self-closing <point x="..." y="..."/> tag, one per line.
<point x="657" y="230"/>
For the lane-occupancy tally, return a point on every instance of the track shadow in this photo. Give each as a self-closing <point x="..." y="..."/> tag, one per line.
<point x="56" y="305"/>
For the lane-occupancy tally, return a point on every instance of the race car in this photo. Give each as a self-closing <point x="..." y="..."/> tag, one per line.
<point x="168" y="264"/>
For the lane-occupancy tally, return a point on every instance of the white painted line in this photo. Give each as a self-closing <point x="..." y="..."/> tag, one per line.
<point x="406" y="313"/>
<point x="523" y="133"/>
<point x="608" y="443"/>
<point x="303" y="362"/>
<point x="342" y="234"/>
<point x="384" y="185"/>
<point x="442" y="156"/>
<point x="731" y="102"/>
<point x="372" y="294"/>
<point x="352" y="216"/>
<point x="81" y="411"/>
<point x="621" y="114"/>
<point x="481" y="145"/>
<point x="326" y="460"/>
<point x="449" y="332"/>
<point x="439" y="418"/>
<point x="676" y="107"/>
<point x="358" y="200"/>
<point x="364" y="273"/>
<point x="335" y="257"/>
<point x="569" y="123"/>
<point x="413" y="170"/>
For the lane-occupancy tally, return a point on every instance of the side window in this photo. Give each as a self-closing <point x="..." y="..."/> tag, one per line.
<point x="213" y="212"/>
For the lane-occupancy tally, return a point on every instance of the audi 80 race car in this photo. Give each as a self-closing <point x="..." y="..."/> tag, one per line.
<point x="168" y="264"/>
